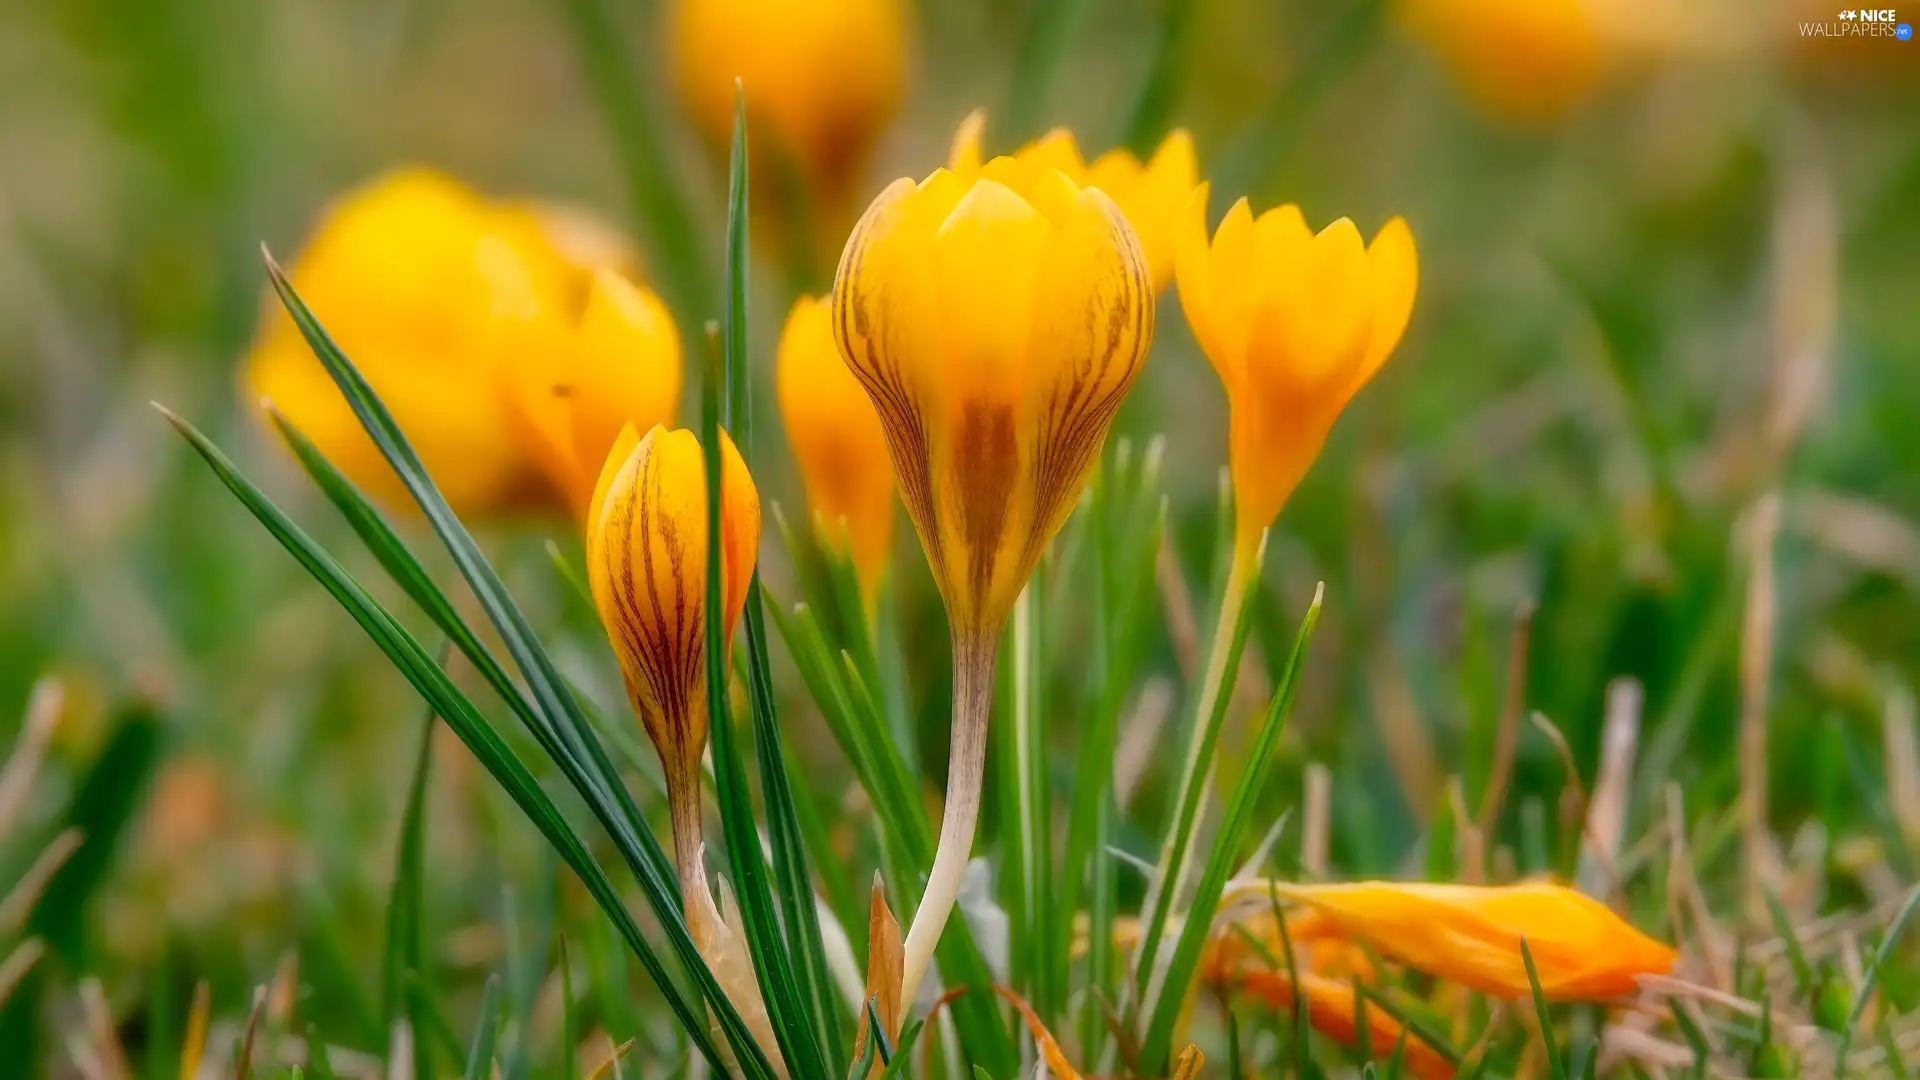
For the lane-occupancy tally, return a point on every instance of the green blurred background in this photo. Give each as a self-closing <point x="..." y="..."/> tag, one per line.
<point x="1638" y="320"/>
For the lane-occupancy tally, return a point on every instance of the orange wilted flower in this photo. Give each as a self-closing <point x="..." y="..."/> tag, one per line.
<point x="1471" y="934"/>
<point x="1331" y="1012"/>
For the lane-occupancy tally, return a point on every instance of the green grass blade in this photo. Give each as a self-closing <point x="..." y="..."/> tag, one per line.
<point x="480" y="1055"/>
<point x="580" y="755"/>
<point x="318" y="1061"/>
<point x="1194" y="931"/>
<point x="1153" y="109"/>
<point x="1556" y="1067"/>
<point x="1895" y="931"/>
<point x="405" y="903"/>
<point x="568" y="1067"/>
<point x="662" y="207"/>
<point x="903" y="1054"/>
<point x="1049" y="30"/>
<point x="453" y="707"/>
<point x="1302" y="1032"/>
<point x="724" y="400"/>
<point x="1796" y="955"/>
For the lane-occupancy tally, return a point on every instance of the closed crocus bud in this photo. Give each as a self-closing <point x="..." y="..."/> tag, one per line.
<point x="647" y="566"/>
<point x="821" y="77"/>
<point x="1153" y="195"/>
<point x="579" y="380"/>
<point x="838" y="443"/>
<point x="1295" y="323"/>
<point x="996" y="331"/>
<point x="418" y="279"/>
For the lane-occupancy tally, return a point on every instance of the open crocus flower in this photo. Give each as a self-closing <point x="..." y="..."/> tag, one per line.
<point x="1152" y="195"/>
<point x="581" y="379"/>
<point x="821" y="78"/>
<point x="416" y="277"/>
<point x="1295" y="323"/>
<point x="1471" y="935"/>
<point x="837" y="442"/>
<point x="996" y="331"/>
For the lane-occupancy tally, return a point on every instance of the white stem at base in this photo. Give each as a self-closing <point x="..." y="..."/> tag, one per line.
<point x="966" y="766"/>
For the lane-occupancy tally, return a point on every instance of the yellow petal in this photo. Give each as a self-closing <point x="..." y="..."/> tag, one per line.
<point x="1393" y="266"/>
<point x="965" y="158"/>
<point x="647" y="562"/>
<point x="1472" y="934"/>
<point x="837" y="442"/>
<point x="1331" y="1012"/>
<point x="1194" y="277"/>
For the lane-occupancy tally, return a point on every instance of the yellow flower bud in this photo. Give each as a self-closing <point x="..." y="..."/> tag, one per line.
<point x="821" y="77"/>
<point x="837" y="441"/>
<point x="1153" y="196"/>
<point x="1524" y="61"/>
<point x="582" y="380"/>
<point x="996" y="331"/>
<point x="647" y="567"/>
<point x="1295" y="323"/>
<point x="418" y="279"/>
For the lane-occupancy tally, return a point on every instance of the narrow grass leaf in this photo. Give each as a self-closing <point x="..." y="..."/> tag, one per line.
<point x="565" y="734"/>
<point x="1888" y="943"/>
<point x="1555" y="1066"/>
<point x="405" y="946"/>
<point x="487" y="1034"/>
<point x="1165" y="1009"/>
<point x="459" y="713"/>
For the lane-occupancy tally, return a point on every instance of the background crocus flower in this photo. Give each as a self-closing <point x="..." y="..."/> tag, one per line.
<point x="837" y="442"/>
<point x="1152" y="195"/>
<point x="996" y="333"/>
<point x="416" y="277"/>
<point x="1295" y="323"/>
<point x="822" y="78"/>
<point x="1527" y="61"/>
<point x="1471" y="934"/>
<point x="581" y="379"/>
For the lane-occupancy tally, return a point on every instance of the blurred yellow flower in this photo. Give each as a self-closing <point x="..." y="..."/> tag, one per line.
<point x="1527" y="61"/>
<point x="1295" y="324"/>
<point x="837" y="441"/>
<point x="583" y="378"/>
<point x="822" y="78"/>
<point x="1153" y="195"/>
<point x="419" y="279"/>
<point x="1471" y="934"/>
<point x="996" y="333"/>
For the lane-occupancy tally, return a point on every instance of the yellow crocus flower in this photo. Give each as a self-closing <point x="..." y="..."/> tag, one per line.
<point x="822" y="78"/>
<point x="1471" y="934"/>
<point x="1152" y="195"/>
<point x="647" y="568"/>
<point x="1295" y="323"/>
<point x="996" y="331"/>
<point x="1525" y="61"/>
<point x="583" y="379"/>
<point x="420" y="281"/>
<point x="837" y="442"/>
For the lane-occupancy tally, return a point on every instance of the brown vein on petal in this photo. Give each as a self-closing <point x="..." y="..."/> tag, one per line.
<point x="986" y="443"/>
<point x="876" y="364"/>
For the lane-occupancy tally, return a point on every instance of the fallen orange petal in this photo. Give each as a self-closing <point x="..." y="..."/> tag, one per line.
<point x="1330" y="1011"/>
<point x="1056" y="1059"/>
<point x="1471" y="934"/>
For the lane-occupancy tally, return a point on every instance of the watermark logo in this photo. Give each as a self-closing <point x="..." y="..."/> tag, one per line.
<point x="1860" y="22"/>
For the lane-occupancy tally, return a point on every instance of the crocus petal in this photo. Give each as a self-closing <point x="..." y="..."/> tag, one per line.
<point x="1331" y="1012"/>
<point x="1472" y="934"/>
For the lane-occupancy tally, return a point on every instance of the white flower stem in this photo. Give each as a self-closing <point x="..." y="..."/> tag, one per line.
<point x="972" y="705"/>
